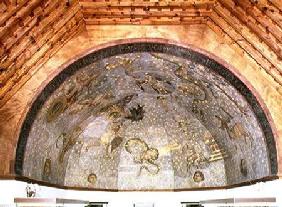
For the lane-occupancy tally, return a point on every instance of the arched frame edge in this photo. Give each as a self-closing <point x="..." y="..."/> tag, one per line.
<point x="148" y="45"/>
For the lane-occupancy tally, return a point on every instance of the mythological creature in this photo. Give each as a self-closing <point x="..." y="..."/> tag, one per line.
<point x="156" y="82"/>
<point x="196" y="89"/>
<point x="71" y="92"/>
<point x="195" y="156"/>
<point x="143" y="155"/>
<point x="234" y="131"/>
<point x="46" y="169"/>
<point x="69" y="140"/>
<point x="56" y="108"/>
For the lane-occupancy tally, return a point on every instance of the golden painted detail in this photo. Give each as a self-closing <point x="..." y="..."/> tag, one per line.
<point x="92" y="178"/>
<point x="238" y="131"/>
<point x="69" y="140"/>
<point x="136" y="146"/>
<point x="235" y="131"/>
<point x="216" y="153"/>
<point x="122" y="62"/>
<point x="169" y="148"/>
<point x="183" y="125"/>
<point x="195" y="156"/>
<point x="143" y="155"/>
<point x="46" y="168"/>
<point x="56" y="108"/>
<point x="153" y="82"/>
<point x="115" y="112"/>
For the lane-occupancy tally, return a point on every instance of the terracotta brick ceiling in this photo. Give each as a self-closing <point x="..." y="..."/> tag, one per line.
<point x="31" y="31"/>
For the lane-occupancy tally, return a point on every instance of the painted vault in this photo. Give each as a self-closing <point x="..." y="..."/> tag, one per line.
<point x="145" y="120"/>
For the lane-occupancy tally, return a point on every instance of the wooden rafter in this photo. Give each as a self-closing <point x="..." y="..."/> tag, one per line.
<point x="35" y="30"/>
<point x="31" y="31"/>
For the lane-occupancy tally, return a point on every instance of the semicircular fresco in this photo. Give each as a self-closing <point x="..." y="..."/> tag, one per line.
<point x="145" y="120"/>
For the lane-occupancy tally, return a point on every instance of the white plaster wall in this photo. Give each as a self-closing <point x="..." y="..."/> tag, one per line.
<point x="10" y="189"/>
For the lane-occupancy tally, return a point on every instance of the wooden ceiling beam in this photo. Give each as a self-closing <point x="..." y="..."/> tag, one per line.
<point x="269" y="25"/>
<point x="11" y="10"/>
<point x="18" y="16"/>
<point x="25" y="42"/>
<point x="141" y="12"/>
<point x="224" y="15"/>
<point x="29" y="68"/>
<point x="252" y="24"/>
<point x="221" y="27"/>
<point x="149" y="4"/>
<point x="145" y="12"/>
<point x="146" y="21"/>
<point x="270" y="12"/>
<point x="32" y="25"/>
<point x="29" y="43"/>
<point x="27" y="48"/>
<point x="277" y="4"/>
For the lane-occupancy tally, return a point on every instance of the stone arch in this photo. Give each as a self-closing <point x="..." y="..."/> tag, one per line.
<point x="159" y="46"/>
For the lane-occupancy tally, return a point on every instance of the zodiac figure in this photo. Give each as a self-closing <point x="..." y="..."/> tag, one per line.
<point x="57" y="107"/>
<point x="69" y="140"/>
<point x="236" y="131"/>
<point x="143" y="155"/>
<point x="182" y="73"/>
<point x="46" y="168"/>
<point x="99" y="103"/>
<point x="194" y="89"/>
<point x="201" y="98"/>
<point x="160" y="84"/>
<point x="194" y="157"/>
<point x="116" y="108"/>
<point x="200" y="93"/>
